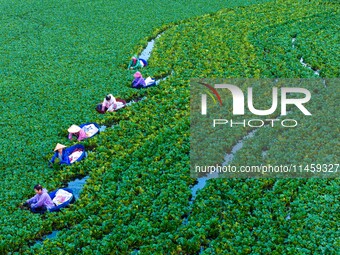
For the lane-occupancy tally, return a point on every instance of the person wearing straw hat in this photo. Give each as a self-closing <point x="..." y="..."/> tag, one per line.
<point x="61" y="154"/>
<point x="77" y="131"/>
<point x="138" y="82"/>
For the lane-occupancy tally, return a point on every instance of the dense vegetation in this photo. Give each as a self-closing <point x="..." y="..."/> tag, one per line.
<point x="274" y="216"/>
<point x="60" y="59"/>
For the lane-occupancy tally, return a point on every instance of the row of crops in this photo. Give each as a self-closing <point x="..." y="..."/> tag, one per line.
<point x="137" y="197"/>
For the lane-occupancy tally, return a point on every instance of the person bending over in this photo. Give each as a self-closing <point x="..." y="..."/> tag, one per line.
<point x="77" y="131"/>
<point x="41" y="202"/>
<point x="110" y="104"/>
<point x="61" y="154"/>
<point x="138" y="82"/>
<point x="135" y="63"/>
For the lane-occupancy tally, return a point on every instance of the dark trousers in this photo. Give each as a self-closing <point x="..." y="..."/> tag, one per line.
<point x="139" y="86"/>
<point x="40" y="209"/>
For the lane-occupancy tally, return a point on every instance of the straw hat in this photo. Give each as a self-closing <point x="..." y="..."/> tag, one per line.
<point x="137" y="75"/>
<point x="59" y="146"/>
<point x="74" y="129"/>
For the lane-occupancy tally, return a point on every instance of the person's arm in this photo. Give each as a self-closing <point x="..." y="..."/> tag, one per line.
<point x="133" y="83"/>
<point x="135" y="65"/>
<point x="54" y="157"/>
<point x="142" y="82"/>
<point x="82" y="135"/>
<point x="138" y="82"/>
<point x="70" y="136"/>
<point x="32" y="199"/>
<point x="40" y="201"/>
<point x="114" y="100"/>
<point x="130" y="64"/>
<point x="103" y="105"/>
<point x="65" y="159"/>
<point x="139" y="64"/>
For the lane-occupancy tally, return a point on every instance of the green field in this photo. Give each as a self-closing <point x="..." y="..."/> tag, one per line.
<point x="59" y="59"/>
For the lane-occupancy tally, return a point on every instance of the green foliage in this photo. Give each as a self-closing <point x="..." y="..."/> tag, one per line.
<point x="265" y="216"/>
<point x="61" y="58"/>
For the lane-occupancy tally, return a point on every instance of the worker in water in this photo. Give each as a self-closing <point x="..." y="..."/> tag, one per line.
<point x="41" y="202"/>
<point x="61" y="154"/>
<point x="138" y="81"/>
<point x="136" y="63"/>
<point x="77" y="131"/>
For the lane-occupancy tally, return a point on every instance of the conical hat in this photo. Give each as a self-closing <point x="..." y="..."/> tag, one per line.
<point x="59" y="146"/>
<point x="74" y="129"/>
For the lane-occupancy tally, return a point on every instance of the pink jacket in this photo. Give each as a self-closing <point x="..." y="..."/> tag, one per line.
<point x="107" y="104"/>
<point x="81" y="135"/>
